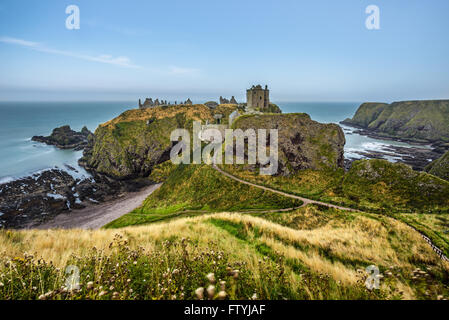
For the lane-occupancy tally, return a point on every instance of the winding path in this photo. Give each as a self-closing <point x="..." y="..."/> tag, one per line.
<point x="306" y="201"/>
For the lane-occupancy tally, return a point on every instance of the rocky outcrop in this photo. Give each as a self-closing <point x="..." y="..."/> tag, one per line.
<point x="416" y="121"/>
<point x="303" y="143"/>
<point x="66" y="138"/>
<point x="130" y="145"/>
<point x="440" y="167"/>
<point x="211" y="104"/>
<point x="273" y="108"/>
<point x="42" y="196"/>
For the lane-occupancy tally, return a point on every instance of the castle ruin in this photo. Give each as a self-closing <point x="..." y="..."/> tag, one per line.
<point x="226" y="101"/>
<point x="258" y="98"/>
<point x="149" y="103"/>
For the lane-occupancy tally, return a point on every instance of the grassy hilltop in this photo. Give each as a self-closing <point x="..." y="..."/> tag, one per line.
<point x="130" y="145"/>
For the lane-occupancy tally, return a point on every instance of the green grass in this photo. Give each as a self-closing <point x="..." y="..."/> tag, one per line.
<point x="434" y="226"/>
<point x="371" y="185"/>
<point x="199" y="189"/>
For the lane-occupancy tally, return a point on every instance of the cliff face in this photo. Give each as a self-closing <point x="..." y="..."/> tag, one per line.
<point x="303" y="143"/>
<point x="440" y="167"/>
<point x="412" y="120"/>
<point x="130" y="145"/>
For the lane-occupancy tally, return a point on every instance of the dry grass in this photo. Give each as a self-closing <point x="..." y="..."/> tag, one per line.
<point x="196" y="112"/>
<point x="351" y="245"/>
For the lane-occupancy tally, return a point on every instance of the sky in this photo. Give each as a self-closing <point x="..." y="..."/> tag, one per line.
<point x="316" y="50"/>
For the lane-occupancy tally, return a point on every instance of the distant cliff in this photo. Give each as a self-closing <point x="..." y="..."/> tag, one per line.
<point x="420" y="121"/>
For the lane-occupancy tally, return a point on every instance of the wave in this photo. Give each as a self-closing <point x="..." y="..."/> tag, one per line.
<point x="6" y="180"/>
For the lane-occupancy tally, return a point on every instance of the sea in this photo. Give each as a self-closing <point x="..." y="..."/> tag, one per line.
<point x="19" y="121"/>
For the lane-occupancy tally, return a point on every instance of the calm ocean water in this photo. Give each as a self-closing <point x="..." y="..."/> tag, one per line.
<point x="19" y="121"/>
<point x="19" y="156"/>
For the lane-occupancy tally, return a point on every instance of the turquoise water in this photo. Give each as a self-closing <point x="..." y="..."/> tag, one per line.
<point x="19" y="121"/>
<point x="19" y="156"/>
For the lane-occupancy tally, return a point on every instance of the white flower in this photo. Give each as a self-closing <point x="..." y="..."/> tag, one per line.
<point x="199" y="293"/>
<point x="211" y="277"/>
<point x="211" y="291"/>
<point x="222" y="295"/>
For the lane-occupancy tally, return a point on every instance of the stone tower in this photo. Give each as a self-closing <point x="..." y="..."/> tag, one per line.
<point x="258" y="98"/>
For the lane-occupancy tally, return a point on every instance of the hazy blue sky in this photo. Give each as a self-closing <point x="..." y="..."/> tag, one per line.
<point x="304" y="50"/>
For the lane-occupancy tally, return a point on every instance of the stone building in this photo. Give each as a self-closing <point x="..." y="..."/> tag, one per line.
<point x="258" y="98"/>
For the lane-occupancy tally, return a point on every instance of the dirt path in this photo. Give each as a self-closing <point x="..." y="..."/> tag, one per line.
<point x="305" y="200"/>
<point x="96" y="216"/>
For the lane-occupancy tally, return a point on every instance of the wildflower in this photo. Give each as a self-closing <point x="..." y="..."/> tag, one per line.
<point x="440" y="297"/>
<point x="211" y="291"/>
<point x="102" y="293"/>
<point x="222" y="295"/>
<point x="235" y="274"/>
<point x="1" y="284"/>
<point x="199" y="293"/>
<point x="211" y="278"/>
<point x="254" y="297"/>
<point x="42" y="297"/>
<point x="90" y="285"/>
<point x="222" y="285"/>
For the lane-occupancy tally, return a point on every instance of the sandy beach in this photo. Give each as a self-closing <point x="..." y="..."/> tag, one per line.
<point x="96" y="216"/>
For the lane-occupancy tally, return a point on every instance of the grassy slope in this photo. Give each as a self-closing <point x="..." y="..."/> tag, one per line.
<point x="374" y="185"/>
<point x="440" y="167"/>
<point x="199" y="189"/>
<point x="311" y="253"/>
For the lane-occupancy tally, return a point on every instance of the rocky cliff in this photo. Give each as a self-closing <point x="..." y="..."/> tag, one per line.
<point x="420" y="121"/>
<point x="130" y="145"/>
<point x="303" y="143"/>
<point x="440" y="167"/>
